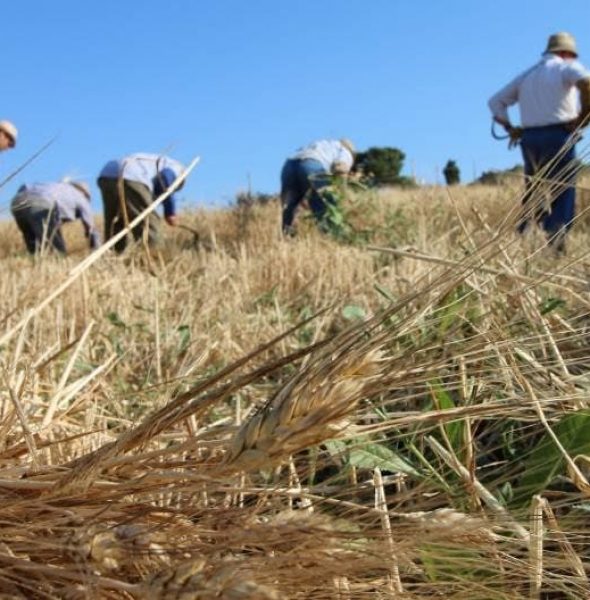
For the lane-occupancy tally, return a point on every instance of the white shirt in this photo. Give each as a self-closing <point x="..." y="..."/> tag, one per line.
<point x="546" y="93"/>
<point x="327" y="152"/>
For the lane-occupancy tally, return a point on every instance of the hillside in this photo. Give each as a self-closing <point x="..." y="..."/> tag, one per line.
<point x="398" y="412"/>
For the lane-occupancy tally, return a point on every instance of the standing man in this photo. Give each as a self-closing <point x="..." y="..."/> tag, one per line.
<point x="309" y="170"/>
<point x="40" y="209"/>
<point x="129" y="186"/>
<point x="554" y="101"/>
<point x="8" y="135"/>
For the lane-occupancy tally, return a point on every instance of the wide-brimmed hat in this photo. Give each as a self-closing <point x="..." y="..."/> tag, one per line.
<point x="10" y="130"/>
<point x="81" y="186"/>
<point x="348" y="145"/>
<point x="562" y="42"/>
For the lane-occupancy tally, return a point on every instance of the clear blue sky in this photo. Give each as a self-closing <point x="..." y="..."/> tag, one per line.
<point x="244" y="83"/>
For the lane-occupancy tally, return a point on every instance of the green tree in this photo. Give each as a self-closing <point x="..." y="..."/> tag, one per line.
<point x="452" y="173"/>
<point x="382" y="165"/>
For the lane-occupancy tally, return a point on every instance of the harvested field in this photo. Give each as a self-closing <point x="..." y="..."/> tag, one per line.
<point x="399" y="414"/>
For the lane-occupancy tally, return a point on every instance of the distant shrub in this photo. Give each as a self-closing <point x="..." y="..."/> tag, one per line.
<point x="451" y="173"/>
<point x="246" y="199"/>
<point x="498" y="177"/>
<point x="406" y="182"/>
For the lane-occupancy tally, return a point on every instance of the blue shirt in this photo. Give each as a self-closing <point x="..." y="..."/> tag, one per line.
<point x="156" y="172"/>
<point x="68" y="202"/>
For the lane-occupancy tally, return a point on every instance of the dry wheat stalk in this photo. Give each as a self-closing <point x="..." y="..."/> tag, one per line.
<point x="395" y="582"/>
<point x="304" y="413"/>
<point x="536" y="547"/>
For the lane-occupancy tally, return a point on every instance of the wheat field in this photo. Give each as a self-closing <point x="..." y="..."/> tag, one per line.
<point x="399" y="414"/>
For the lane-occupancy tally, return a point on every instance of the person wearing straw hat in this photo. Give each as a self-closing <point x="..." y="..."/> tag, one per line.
<point x="8" y="135"/>
<point x="39" y="210"/>
<point x="128" y="186"/>
<point x="308" y="171"/>
<point x="554" y="101"/>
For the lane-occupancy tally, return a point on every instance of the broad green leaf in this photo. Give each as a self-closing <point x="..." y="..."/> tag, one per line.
<point x="336" y="447"/>
<point x="546" y="461"/>
<point x="372" y="456"/>
<point x="444" y="401"/>
<point x="353" y="312"/>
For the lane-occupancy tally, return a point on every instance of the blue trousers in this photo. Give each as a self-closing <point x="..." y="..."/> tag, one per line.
<point x="299" y="177"/>
<point x="40" y="226"/>
<point x="540" y="146"/>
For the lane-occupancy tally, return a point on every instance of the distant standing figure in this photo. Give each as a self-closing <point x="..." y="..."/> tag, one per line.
<point x="549" y="95"/>
<point x="129" y="186"/>
<point x="310" y="170"/>
<point x="8" y="135"/>
<point x="40" y="209"/>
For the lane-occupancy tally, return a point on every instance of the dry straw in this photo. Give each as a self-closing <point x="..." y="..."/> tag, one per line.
<point x="240" y="430"/>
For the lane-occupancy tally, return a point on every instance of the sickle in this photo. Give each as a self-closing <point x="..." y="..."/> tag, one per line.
<point x="495" y="135"/>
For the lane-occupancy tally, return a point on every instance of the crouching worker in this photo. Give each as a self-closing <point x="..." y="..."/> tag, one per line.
<point x="308" y="171"/>
<point x="39" y="210"/>
<point x="128" y="186"/>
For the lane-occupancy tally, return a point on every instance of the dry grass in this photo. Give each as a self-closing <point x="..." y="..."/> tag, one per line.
<point x="201" y="426"/>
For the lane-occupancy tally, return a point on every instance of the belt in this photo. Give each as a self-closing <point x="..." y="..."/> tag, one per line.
<point x="545" y="127"/>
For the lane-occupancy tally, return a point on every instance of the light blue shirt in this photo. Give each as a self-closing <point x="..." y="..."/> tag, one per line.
<point x="327" y="152"/>
<point x="68" y="202"/>
<point x="142" y="168"/>
<point x="156" y="172"/>
<point x="546" y="93"/>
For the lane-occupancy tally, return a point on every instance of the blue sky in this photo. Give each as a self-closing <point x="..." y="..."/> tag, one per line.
<point x="243" y="84"/>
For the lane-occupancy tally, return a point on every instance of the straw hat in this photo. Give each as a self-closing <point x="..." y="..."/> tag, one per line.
<point x="348" y="145"/>
<point x="10" y="130"/>
<point x="81" y="186"/>
<point x="562" y="42"/>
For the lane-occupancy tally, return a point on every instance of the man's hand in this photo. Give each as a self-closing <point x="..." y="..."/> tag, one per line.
<point x="340" y="168"/>
<point x="94" y="239"/>
<point x="171" y="220"/>
<point x="515" y="134"/>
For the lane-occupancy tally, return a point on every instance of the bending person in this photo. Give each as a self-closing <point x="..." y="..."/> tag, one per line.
<point x="309" y="170"/>
<point x="40" y="209"/>
<point x="128" y="186"/>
